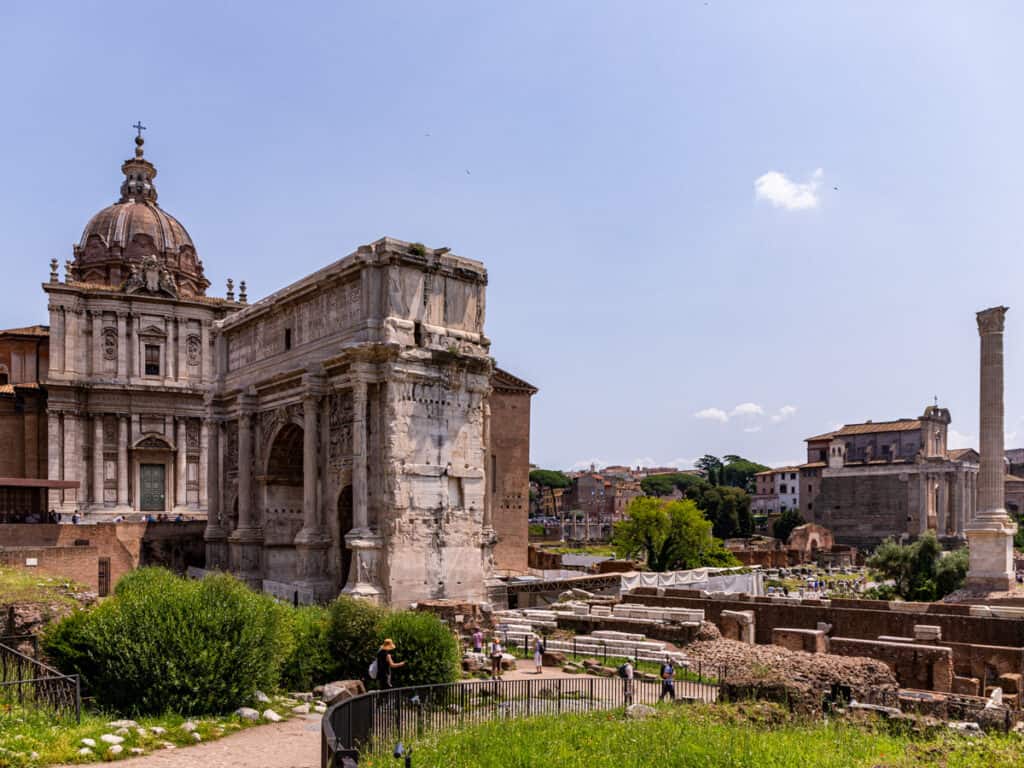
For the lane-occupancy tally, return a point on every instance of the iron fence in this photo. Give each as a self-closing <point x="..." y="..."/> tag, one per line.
<point x="382" y="718"/>
<point x="27" y="684"/>
<point x="22" y="643"/>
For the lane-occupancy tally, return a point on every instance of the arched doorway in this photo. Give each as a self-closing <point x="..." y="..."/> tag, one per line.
<point x="281" y="507"/>
<point x="344" y="526"/>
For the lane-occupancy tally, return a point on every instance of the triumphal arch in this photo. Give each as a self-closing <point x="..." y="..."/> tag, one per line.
<point x="348" y="430"/>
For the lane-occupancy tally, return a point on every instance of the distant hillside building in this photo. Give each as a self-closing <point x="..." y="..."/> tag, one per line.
<point x="890" y="478"/>
<point x="775" y="491"/>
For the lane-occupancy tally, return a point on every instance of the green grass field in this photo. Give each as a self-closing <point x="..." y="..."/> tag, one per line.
<point x="696" y="736"/>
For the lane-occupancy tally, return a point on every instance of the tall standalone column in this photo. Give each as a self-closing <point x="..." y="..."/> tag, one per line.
<point x="365" y="544"/>
<point x="247" y="539"/>
<point x="214" y="535"/>
<point x="990" y="534"/>
<point x="311" y="543"/>
<point x="97" y="461"/>
<point x="181" y="486"/>
<point x="122" y="461"/>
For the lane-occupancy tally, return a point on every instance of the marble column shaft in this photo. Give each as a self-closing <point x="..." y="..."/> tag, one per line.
<point x="360" y="513"/>
<point x="204" y="450"/>
<point x="310" y="470"/>
<point x="122" y="461"/>
<point x="53" y="451"/>
<point x="212" y="474"/>
<point x="992" y="474"/>
<point x="245" y="468"/>
<point x="97" y="459"/>
<point x="181" y="496"/>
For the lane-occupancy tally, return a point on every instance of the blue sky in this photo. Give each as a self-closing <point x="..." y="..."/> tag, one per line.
<point x="603" y="160"/>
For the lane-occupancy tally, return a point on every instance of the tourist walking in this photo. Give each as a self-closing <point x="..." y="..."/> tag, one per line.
<point x="668" y="680"/>
<point x="496" y="653"/>
<point x="538" y="653"/>
<point x="478" y="641"/>
<point x="385" y="663"/>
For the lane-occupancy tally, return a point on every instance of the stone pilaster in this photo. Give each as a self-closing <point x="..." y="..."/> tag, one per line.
<point x="204" y="448"/>
<point x="247" y="539"/>
<point x="122" y="346"/>
<point x="122" y="461"/>
<point x="97" y="461"/>
<point x="990" y="534"/>
<point x="56" y="339"/>
<point x="364" y="579"/>
<point x="181" y="456"/>
<point x="72" y="460"/>
<point x="54" y="436"/>
<point x="97" y="343"/>
<point x="214" y="535"/>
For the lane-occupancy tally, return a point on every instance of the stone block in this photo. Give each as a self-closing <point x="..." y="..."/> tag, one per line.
<point x="807" y="640"/>
<point x="927" y="632"/>
<point x="966" y="686"/>
<point x="738" y="625"/>
<point x="1012" y="682"/>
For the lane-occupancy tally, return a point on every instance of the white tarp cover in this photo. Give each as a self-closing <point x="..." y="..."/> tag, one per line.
<point x="708" y="579"/>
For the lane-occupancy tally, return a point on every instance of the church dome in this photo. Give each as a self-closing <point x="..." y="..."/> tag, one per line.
<point x="119" y="238"/>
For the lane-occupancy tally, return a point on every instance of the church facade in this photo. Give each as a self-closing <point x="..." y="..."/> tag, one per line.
<point x="335" y="435"/>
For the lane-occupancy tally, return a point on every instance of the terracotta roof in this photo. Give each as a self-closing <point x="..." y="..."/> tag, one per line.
<point x="502" y="379"/>
<point x="958" y="453"/>
<point x="28" y="330"/>
<point x="871" y="428"/>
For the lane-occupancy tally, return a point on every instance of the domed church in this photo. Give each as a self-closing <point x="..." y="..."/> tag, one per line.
<point x="348" y="433"/>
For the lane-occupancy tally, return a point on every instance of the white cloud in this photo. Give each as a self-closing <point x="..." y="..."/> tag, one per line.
<point x="956" y="439"/>
<point x="752" y="429"/>
<point x="783" y="413"/>
<point x="712" y="414"/>
<point x="782" y="192"/>
<point x="747" y="409"/>
<point x="585" y="464"/>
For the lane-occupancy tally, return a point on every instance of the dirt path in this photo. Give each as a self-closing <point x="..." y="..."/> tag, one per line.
<point x="291" y="744"/>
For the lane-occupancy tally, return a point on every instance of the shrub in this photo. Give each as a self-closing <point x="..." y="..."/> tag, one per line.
<point x="166" y="643"/>
<point x="427" y="646"/>
<point x="352" y="636"/>
<point x="310" y="662"/>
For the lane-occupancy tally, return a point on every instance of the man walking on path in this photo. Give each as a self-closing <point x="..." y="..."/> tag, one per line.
<point x="496" y="655"/>
<point x="626" y="671"/>
<point x="478" y="641"/>
<point x="668" y="680"/>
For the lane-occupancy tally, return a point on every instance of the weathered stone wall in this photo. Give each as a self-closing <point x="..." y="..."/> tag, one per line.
<point x="510" y="484"/>
<point x="927" y="667"/>
<point x="863" y="510"/>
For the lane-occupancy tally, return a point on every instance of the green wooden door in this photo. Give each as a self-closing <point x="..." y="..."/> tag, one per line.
<point x="153" y="487"/>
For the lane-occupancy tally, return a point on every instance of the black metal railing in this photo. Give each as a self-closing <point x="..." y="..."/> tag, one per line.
<point x="381" y="718"/>
<point x="27" y="684"/>
<point x="27" y="644"/>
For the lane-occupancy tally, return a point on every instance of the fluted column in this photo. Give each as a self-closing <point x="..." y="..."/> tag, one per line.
<point x="312" y="542"/>
<point x="203" y="468"/>
<point x="366" y="545"/>
<point x="97" y="460"/>
<point x="246" y="541"/>
<point x="310" y="469"/>
<point x="360" y="513"/>
<point x="181" y="486"/>
<point x="214" y="535"/>
<point x="990" y="535"/>
<point x="122" y="461"/>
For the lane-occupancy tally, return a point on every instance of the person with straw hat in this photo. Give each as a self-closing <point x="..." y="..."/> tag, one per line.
<point x="385" y="663"/>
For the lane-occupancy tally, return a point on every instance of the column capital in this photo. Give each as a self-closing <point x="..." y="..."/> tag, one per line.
<point x="991" y="320"/>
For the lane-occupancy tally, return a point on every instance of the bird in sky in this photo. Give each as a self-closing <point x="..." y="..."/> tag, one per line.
<point x="468" y="173"/>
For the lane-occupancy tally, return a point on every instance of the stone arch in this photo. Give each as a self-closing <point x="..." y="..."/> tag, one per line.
<point x="345" y="524"/>
<point x="284" y="454"/>
<point x="281" y="502"/>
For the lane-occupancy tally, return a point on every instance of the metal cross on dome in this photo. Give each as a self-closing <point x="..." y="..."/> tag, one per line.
<point x="139" y="127"/>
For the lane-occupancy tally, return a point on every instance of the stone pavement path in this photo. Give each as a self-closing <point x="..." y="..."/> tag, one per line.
<point x="294" y="743"/>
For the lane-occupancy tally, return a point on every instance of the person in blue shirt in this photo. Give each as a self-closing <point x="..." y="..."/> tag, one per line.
<point x="668" y="680"/>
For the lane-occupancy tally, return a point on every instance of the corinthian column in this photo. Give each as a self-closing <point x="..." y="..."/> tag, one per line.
<point x="990" y="535"/>
<point x="180" y="488"/>
<point x="97" y="461"/>
<point x="122" y="461"/>
<point x="247" y="539"/>
<point x="214" y="535"/>
<point x="312" y="542"/>
<point x="362" y="580"/>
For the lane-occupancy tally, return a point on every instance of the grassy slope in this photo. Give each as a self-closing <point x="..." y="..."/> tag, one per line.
<point x="19" y="585"/>
<point x="708" y="737"/>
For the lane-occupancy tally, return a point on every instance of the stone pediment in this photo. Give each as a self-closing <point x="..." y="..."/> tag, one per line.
<point x="153" y="330"/>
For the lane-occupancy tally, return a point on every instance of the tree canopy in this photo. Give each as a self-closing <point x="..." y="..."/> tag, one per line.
<point x="730" y="470"/>
<point x="787" y="521"/>
<point x="919" y="570"/>
<point x="550" y="478"/>
<point x="669" y="535"/>
<point x="664" y="485"/>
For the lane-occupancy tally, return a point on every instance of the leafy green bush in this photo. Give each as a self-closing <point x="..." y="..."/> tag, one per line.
<point x="536" y="529"/>
<point x="310" y="662"/>
<point x="166" y="643"/>
<point x="353" y="634"/>
<point x="427" y="646"/>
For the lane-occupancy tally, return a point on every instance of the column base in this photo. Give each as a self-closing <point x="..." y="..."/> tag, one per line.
<point x="990" y="544"/>
<point x="364" y="578"/>
<point x="216" y="549"/>
<point x="245" y="555"/>
<point x="311" y="545"/>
